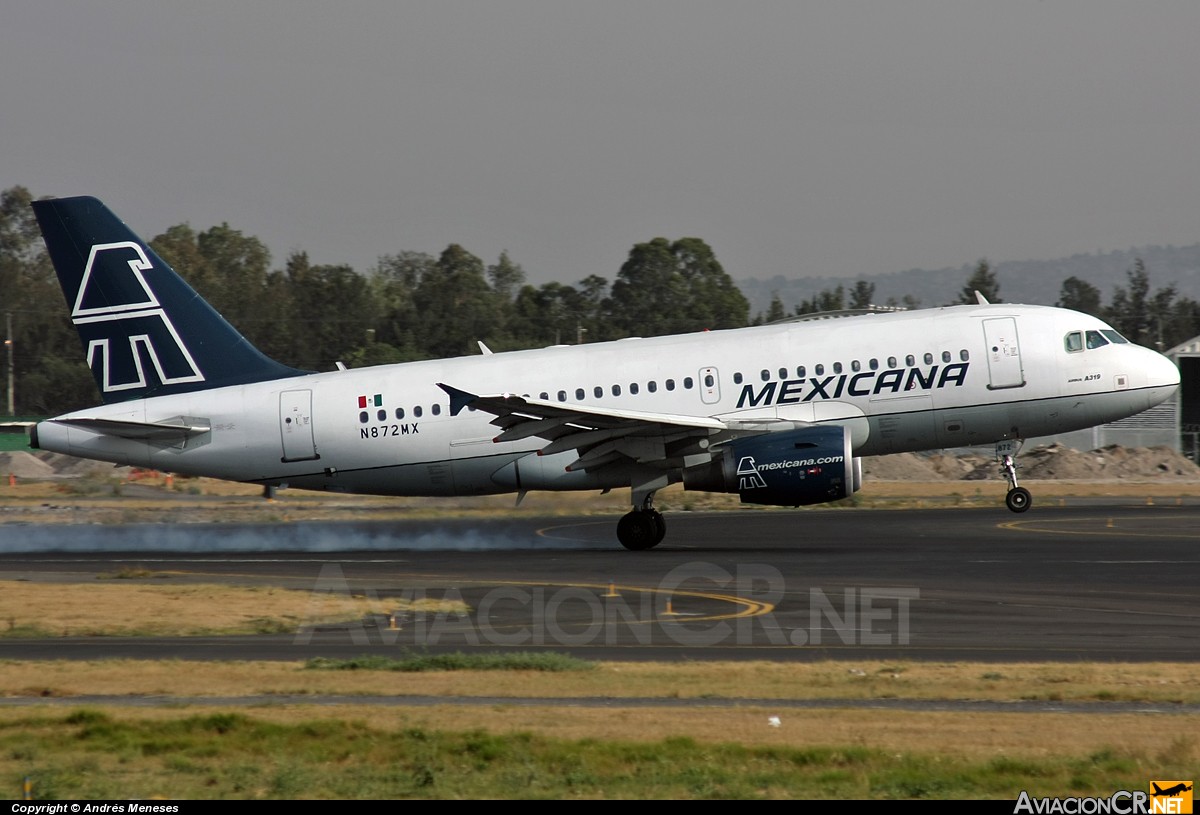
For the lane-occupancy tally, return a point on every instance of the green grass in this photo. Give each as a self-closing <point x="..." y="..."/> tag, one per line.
<point x="416" y="663"/>
<point x="30" y="631"/>
<point x="131" y="573"/>
<point x="89" y="754"/>
<point x="13" y="441"/>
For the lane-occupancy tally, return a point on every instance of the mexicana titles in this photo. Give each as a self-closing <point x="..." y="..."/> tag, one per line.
<point x="864" y="383"/>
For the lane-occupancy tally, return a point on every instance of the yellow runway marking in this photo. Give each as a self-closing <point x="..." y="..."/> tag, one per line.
<point x="751" y="608"/>
<point x="1106" y="525"/>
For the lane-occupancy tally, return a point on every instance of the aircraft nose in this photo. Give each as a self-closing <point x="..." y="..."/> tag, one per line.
<point x="1161" y="372"/>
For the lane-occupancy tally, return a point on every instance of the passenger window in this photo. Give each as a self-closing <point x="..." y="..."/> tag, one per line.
<point x="399" y="413"/>
<point x="381" y="415"/>
<point x="800" y="371"/>
<point x="579" y="394"/>
<point x="616" y="389"/>
<point x="364" y="417"/>
<point x="562" y="396"/>
<point x="946" y="356"/>
<point x="820" y="370"/>
<point x="633" y="388"/>
<point x="837" y="367"/>
<point x="417" y="411"/>
<point x="928" y="358"/>
<point x="874" y="363"/>
<point x="437" y="410"/>
<point x="964" y="355"/>
<point x="1073" y="342"/>
<point x="599" y="391"/>
<point x="766" y="375"/>
<point x="783" y="373"/>
<point x="891" y="362"/>
<point x="544" y="395"/>
<point x="670" y="384"/>
<point x="709" y="381"/>
<point x="687" y="383"/>
<point x="1095" y="339"/>
<point x="652" y="386"/>
<point x="737" y="378"/>
<point x="910" y="360"/>
<point x="855" y="365"/>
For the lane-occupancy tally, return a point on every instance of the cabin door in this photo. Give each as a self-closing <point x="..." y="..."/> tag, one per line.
<point x="1003" y="353"/>
<point x="295" y="426"/>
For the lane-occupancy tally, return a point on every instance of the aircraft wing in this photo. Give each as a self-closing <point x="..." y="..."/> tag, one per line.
<point x="599" y="435"/>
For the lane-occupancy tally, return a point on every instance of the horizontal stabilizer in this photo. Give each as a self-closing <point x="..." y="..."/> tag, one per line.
<point x="143" y="431"/>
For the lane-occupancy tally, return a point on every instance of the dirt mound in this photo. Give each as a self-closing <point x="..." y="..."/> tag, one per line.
<point x="70" y="466"/>
<point x="929" y="467"/>
<point x="24" y="465"/>
<point x="963" y="468"/>
<point x="1112" y="462"/>
<point x="43" y="466"/>
<point x="900" y="467"/>
<point x="1052" y="462"/>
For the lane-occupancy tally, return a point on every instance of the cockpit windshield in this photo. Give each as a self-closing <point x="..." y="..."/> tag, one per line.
<point x="1076" y="341"/>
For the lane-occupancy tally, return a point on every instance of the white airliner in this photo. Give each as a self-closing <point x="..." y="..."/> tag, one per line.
<point x="780" y="414"/>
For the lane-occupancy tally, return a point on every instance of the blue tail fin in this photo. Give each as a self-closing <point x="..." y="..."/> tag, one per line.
<point x="144" y="330"/>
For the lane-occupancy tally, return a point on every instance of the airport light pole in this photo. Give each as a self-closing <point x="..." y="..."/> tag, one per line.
<point x="8" y="344"/>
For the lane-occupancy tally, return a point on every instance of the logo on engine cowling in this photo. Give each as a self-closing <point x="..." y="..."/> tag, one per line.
<point x="749" y="472"/>
<point x="748" y="475"/>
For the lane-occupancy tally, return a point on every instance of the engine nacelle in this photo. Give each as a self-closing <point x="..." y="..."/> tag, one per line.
<point x="812" y="465"/>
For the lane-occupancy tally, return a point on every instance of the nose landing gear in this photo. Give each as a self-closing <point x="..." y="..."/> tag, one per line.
<point x="1018" y="498"/>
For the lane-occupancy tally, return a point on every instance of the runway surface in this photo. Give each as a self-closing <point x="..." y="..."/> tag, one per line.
<point x="1104" y="582"/>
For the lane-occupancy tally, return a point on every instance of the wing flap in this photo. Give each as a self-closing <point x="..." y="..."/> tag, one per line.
<point x="600" y="436"/>
<point x="590" y="417"/>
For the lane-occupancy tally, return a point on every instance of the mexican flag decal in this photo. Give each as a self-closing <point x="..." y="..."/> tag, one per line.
<point x="376" y="400"/>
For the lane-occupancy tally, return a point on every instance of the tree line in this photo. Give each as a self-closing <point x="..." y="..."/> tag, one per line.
<point x="408" y="306"/>
<point x="412" y="305"/>
<point x="1158" y="319"/>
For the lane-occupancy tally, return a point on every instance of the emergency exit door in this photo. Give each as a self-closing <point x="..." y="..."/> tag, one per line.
<point x="710" y="386"/>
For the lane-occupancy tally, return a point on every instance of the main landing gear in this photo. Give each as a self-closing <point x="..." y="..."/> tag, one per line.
<point x="643" y="528"/>
<point x="1018" y="498"/>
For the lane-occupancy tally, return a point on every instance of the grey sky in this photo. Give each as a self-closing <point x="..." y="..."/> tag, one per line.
<point x="832" y="138"/>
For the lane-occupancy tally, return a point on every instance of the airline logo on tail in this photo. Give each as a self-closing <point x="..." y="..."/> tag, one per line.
<point x="130" y="333"/>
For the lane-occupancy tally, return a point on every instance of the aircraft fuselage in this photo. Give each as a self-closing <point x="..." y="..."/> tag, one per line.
<point x="906" y="381"/>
